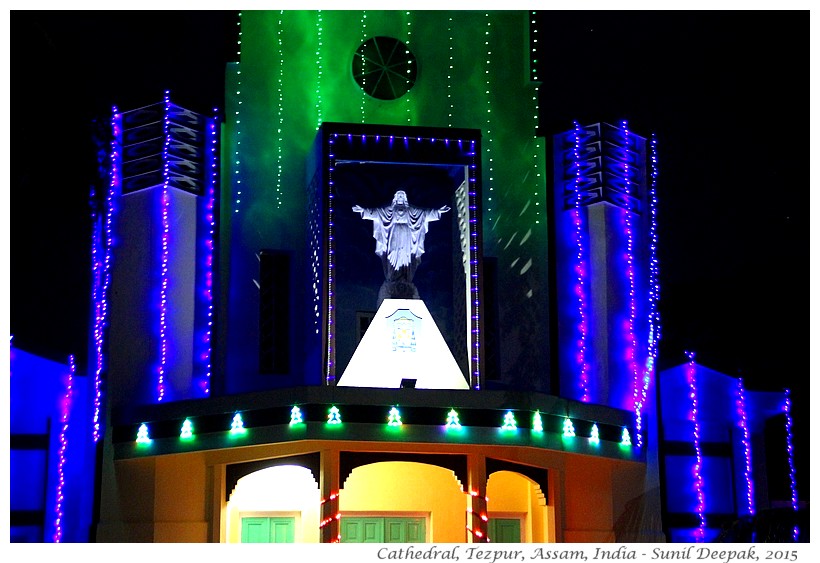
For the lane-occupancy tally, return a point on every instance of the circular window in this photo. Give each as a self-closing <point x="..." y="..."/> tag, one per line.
<point x="384" y="68"/>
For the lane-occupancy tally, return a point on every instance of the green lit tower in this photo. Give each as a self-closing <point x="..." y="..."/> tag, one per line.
<point x="440" y="103"/>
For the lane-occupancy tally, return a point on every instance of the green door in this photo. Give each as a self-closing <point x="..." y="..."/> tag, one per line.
<point x="267" y="529"/>
<point x="391" y="529"/>
<point x="504" y="530"/>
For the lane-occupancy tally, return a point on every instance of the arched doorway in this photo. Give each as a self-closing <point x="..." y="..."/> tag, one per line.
<point x="401" y="501"/>
<point x="276" y="504"/>
<point x="517" y="509"/>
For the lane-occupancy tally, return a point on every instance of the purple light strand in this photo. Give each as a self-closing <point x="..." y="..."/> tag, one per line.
<point x="654" y="324"/>
<point x="691" y="378"/>
<point x="580" y="272"/>
<point x="474" y="289"/>
<point x="330" y="376"/>
<point x="631" y="340"/>
<point x="101" y="272"/>
<point x="787" y="404"/>
<point x="743" y="424"/>
<point x="61" y="454"/>
<point x="210" y="220"/>
<point x="166" y="228"/>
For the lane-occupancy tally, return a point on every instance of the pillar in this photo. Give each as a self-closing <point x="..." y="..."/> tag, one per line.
<point x="477" y="519"/>
<point x="329" y="526"/>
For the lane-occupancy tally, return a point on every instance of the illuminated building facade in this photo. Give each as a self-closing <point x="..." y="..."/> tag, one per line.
<point x="235" y="285"/>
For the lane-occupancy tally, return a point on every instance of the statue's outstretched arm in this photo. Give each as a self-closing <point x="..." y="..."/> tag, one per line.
<point x="444" y="208"/>
<point x="358" y="208"/>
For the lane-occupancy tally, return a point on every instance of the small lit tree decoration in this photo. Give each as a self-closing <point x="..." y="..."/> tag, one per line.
<point x="142" y="434"/>
<point x="394" y="418"/>
<point x="626" y="440"/>
<point x="452" y="420"/>
<point x="237" y="426"/>
<point x="509" y="422"/>
<point x="537" y="424"/>
<point x="594" y="438"/>
<point x="295" y="416"/>
<point x="333" y="416"/>
<point x="569" y="429"/>
<point x="187" y="429"/>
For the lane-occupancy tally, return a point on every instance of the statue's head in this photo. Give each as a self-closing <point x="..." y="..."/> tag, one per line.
<point x="400" y="197"/>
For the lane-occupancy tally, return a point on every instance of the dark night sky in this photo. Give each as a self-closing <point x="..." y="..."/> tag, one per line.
<point x="726" y="93"/>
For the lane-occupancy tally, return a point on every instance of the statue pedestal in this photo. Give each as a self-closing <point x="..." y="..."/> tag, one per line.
<point x="403" y="342"/>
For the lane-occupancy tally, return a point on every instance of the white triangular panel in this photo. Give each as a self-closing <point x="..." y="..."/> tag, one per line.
<point x="403" y="342"/>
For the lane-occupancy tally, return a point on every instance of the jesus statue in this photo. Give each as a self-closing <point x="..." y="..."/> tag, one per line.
<point x="399" y="230"/>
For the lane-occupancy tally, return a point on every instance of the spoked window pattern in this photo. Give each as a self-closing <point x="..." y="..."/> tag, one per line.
<point x="385" y="68"/>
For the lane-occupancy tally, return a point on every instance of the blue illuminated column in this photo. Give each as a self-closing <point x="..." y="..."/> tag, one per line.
<point x="162" y="263"/>
<point x="603" y="216"/>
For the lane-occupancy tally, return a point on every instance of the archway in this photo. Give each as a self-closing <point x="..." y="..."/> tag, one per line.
<point x="417" y="501"/>
<point x="517" y="509"/>
<point x="274" y="504"/>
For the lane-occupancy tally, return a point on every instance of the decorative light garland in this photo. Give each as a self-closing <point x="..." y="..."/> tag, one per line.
<point x="407" y="104"/>
<point x="594" y="436"/>
<point x="187" y="430"/>
<point x="450" y="109"/>
<point x="280" y="113"/>
<point x="61" y="453"/>
<point x="452" y="421"/>
<point x="363" y="23"/>
<point x="330" y="376"/>
<point x="334" y="416"/>
<point x="102" y="272"/>
<point x="337" y="517"/>
<point x="743" y="423"/>
<point x="143" y="436"/>
<point x="534" y="49"/>
<point x="654" y="334"/>
<point x="631" y="339"/>
<point x="394" y="417"/>
<point x="238" y="425"/>
<point x="787" y="407"/>
<point x="238" y="121"/>
<point x="700" y="508"/>
<point x="210" y="224"/>
<point x="569" y="429"/>
<point x="489" y="124"/>
<point x="626" y="439"/>
<point x="165" y="204"/>
<point x="580" y="272"/>
<point x="295" y="416"/>
<point x="537" y="423"/>
<point x="509" y="422"/>
<point x="319" y="69"/>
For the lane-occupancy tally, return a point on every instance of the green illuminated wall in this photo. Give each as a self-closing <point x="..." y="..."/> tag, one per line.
<point x="295" y="72"/>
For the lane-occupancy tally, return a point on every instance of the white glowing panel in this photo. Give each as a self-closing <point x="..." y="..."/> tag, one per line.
<point x="403" y="342"/>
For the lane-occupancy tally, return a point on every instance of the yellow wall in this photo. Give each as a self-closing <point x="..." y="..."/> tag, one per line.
<point x="394" y="487"/>
<point x="588" y="497"/>
<point x="515" y="496"/>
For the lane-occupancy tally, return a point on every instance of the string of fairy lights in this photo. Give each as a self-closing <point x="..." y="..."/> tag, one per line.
<point x="488" y="148"/>
<point x="507" y="425"/>
<point x="209" y="239"/>
<point x="319" y="67"/>
<point x="654" y="324"/>
<point x="580" y="271"/>
<point x="237" y="199"/>
<point x="743" y="423"/>
<point x="280" y="113"/>
<point x="787" y="410"/>
<point x="61" y="452"/>
<point x="363" y="23"/>
<point x="630" y="337"/>
<point x="450" y="70"/>
<point x="408" y="40"/>
<point x="165" y="229"/>
<point x="700" y="506"/>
